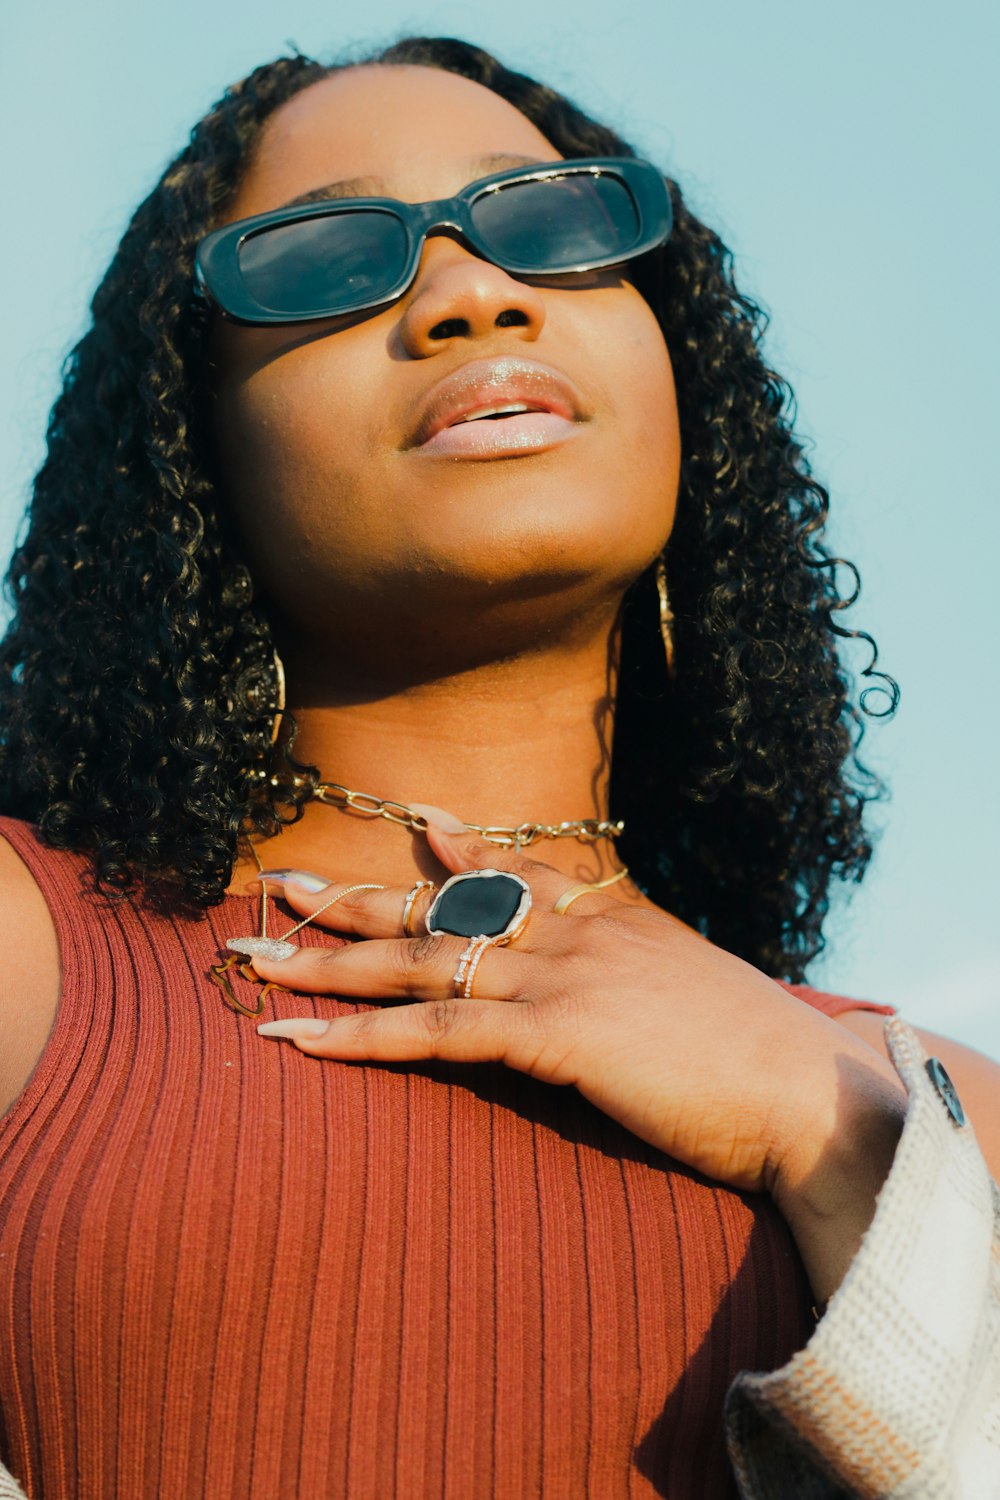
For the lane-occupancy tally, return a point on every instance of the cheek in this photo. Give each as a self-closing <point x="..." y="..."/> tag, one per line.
<point x="640" y="380"/>
<point x="292" y="437"/>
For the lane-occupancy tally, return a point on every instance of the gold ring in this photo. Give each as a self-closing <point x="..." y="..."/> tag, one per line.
<point x="467" y="966"/>
<point x="568" y="897"/>
<point x="411" y="896"/>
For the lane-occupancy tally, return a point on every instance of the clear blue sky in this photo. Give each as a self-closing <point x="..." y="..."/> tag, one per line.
<point x="845" y="153"/>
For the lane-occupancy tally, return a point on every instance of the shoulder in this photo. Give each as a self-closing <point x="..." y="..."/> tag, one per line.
<point x="839" y="1007"/>
<point x="975" y="1076"/>
<point x="29" y="974"/>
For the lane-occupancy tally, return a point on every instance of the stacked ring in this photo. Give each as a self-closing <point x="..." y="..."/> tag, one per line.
<point x="489" y="907"/>
<point x="411" y="896"/>
<point x="467" y="966"/>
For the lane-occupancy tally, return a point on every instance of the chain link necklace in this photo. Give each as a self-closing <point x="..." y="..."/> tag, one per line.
<point x="368" y="805"/>
<point x="589" y="830"/>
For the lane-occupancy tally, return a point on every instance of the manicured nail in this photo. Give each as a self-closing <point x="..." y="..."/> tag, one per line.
<point x="298" y="1026"/>
<point x="446" y="821"/>
<point x="305" y="878"/>
<point x="258" y="947"/>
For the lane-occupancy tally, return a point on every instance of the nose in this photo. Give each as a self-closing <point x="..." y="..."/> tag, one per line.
<point x="458" y="295"/>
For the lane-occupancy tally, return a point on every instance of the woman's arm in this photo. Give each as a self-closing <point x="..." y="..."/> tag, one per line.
<point x="29" y="998"/>
<point x="29" y="975"/>
<point x="976" y="1077"/>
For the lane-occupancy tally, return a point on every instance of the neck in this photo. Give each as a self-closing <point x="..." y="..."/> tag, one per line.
<point x="522" y="740"/>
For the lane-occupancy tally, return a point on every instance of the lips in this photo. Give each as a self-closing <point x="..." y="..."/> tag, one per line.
<point x="506" y="393"/>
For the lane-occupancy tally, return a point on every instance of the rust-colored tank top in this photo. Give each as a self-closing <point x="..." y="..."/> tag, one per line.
<point x="231" y="1271"/>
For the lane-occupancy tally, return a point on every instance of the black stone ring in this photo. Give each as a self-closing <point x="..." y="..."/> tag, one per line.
<point x="486" y="904"/>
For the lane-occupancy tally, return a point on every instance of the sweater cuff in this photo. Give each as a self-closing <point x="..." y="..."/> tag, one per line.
<point x="897" y="1393"/>
<point x="9" y="1487"/>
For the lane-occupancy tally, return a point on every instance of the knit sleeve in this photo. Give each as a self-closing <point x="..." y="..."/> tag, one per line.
<point x="9" y="1487"/>
<point x="897" y="1393"/>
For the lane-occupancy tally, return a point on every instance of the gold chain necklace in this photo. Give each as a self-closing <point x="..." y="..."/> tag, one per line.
<point x="589" y="830"/>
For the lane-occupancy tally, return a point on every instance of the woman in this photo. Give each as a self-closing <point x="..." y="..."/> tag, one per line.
<point x="460" y="494"/>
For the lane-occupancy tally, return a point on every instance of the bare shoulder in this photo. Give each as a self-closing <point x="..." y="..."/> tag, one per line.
<point x="30" y="976"/>
<point x="975" y="1076"/>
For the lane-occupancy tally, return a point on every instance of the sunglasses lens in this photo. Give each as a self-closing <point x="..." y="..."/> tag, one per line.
<point x="333" y="263"/>
<point x="556" y="223"/>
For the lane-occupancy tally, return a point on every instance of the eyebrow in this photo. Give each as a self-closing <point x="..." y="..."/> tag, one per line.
<point x="374" y="187"/>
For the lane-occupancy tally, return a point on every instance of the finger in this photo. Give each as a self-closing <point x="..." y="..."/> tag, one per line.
<point x="458" y="1030"/>
<point x="458" y="849"/>
<point x="423" y="967"/>
<point x="462" y="849"/>
<point x="366" y="911"/>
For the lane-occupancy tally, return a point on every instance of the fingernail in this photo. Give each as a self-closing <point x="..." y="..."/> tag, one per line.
<point x="297" y="1026"/>
<point x="446" y="821"/>
<point x="305" y="878"/>
<point x="262" y="947"/>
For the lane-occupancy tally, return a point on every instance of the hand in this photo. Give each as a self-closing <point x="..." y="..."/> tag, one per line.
<point x="692" y="1049"/>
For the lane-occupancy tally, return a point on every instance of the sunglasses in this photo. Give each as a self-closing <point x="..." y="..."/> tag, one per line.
<point x="348" y="255"/>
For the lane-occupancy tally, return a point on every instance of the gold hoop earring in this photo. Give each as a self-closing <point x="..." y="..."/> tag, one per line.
<point x="666" y="618"/>
<point x="279" y="710"/>
<point x="257" y="696"/>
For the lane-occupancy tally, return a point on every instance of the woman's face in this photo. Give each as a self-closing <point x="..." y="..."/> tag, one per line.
<point x="363" y="536"/>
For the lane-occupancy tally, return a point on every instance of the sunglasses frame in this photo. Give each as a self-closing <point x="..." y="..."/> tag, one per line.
<point x="217" y="259"/>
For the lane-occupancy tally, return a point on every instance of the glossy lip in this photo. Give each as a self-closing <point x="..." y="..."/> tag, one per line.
<point x="512" y="437"/>
<point x="484" y="383"/>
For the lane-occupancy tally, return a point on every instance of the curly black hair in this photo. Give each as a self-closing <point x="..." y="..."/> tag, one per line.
<point x="137" y="679"/>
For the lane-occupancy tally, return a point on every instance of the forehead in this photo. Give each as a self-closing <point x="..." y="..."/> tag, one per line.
<point x="406" y="132"/>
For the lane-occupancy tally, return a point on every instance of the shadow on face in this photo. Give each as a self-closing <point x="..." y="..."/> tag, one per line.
<point x="358" y="534"/>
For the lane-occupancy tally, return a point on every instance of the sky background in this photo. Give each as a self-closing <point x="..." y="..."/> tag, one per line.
<point x="844" y="154"/>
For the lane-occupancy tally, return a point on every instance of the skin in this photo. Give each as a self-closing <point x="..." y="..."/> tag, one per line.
<point x="450" y="635"/>
<point x="504" y="579"/>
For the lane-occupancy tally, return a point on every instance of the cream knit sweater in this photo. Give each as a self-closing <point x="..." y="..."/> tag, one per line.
<point x="897" y="1393"/>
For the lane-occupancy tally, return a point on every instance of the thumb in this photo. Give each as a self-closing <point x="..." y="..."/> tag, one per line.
<point x="455" y="845"/>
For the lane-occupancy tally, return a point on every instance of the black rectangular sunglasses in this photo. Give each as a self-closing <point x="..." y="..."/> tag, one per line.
<point x="347" y="255"/>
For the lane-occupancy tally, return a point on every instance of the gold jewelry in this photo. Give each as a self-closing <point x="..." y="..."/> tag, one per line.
<point x="411" y="896"/>
<point x="260" y="692"/>
<point x="279" y="710"/>
<point x="589" y="830"/>
<point x="220" y="973"/>
<point x="490" y="904"/>
<point x="568" y="897"/>
<point x="482" y="898"/>
<point x="666" y="617"/>
<point x="467" y="966"/>
<point x="349" y="891"/>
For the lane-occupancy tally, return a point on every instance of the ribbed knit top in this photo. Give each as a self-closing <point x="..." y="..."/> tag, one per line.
<point x="231" y="1271"/>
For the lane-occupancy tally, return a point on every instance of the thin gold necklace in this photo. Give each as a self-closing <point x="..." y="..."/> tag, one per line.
<point x="222" y="973"/>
